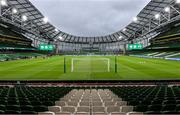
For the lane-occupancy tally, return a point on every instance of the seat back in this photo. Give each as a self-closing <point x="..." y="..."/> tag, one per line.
<point x="135" y="113"/>
<point x="98" y="109"/>
<point x="68" y="109"/>
<point x="60" y="103"/>
<point x="112" y="109"/>
<point x="54" y="109"/>
<point x="126" y="108"/>
<point x="83" y="109"/>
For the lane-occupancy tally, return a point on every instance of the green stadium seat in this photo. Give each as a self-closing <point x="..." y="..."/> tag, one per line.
<point x="171" y="107"/>
<point x="142" y="108"/>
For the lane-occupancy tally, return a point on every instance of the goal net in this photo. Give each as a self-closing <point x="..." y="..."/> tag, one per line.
<point x="90" y="65"/>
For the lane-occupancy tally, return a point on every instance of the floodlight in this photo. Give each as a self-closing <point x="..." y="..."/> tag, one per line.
<point x="177" y="1"/>
<point x="120" y="37"/>
<point x="56" y="30"/>
<point x="167" y="9"/>
<point x="3" y="2"/>
<point x="124" y="29"/>
<point x="24" y="17"/>
<point x="45" y="20"/>
<point x="14" y="11"/>
<point x="60" y="37"/>
<point x="135" y="19"/>
<point x="157" y="16"/>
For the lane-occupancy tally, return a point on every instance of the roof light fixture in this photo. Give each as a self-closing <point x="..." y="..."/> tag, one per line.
<point x="124" y="29"/>
<point x="56" y="30"/>
<point x="60" y="37"/>
<point x="24" y="17"/>
<point x="45" y="20"/>
<point x="120" y="37"/>
<point x="14" y="11"/>
<point x="135" y="19"/>
<point x="157" y="16"/>
<point x="167" y="9"/>
<point x="177" y="1"/>
<point x="3" y="2"/>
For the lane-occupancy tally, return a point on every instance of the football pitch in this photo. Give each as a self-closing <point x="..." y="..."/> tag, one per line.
<point x="90" y="68"/>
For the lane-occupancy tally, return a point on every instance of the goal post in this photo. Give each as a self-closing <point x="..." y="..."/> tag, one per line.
<point x="90" y="65"/>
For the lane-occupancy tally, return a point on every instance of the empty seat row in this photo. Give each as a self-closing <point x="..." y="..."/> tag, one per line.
<point x="109" y="109"/>
<point x="91" y="101"/>
<point x="84" y="113"/>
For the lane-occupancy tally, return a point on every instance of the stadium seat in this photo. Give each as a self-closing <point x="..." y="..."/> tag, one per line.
<point x="82" y="113"/>
<point x="54" y="109"/>
<point x="135" y="113"/>
<point x="68" y="109"/>
<point x="46" y="113"/>
<point x="60" y="103"/>
<point x="97" y="103"/>
<point x="126" y="108"/>
<point x="112" y="109"/>
<point x="109" y="103"/>
<point x="121" y="103"/>
<point x="98" y="109"/>
<point x="142" y="108"/>
<point x="63" y="113"/>
<point x="72" y="103"/>
<point x="118" y="113"/>
<point x="83" y="109"/>
<point x="84" y="103"/>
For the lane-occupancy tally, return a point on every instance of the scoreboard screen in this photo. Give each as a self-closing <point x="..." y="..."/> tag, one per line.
<point x="46" y="47"/>
<point x="135" y="46"/>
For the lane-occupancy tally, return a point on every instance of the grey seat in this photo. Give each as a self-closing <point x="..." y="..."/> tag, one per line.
<point x="82" y="113"/>
<point x="117" y="99"/>
<point x="109" y="103"/>
<point x="84" y="103"/>
<point x="63" y="113"/>
<point x="46" y="113"/>
<point x="107" y="100"/>
<point x="135" y="113"/>
<point x="60" y="103"/>
<point x="75" y="104"/>
<point x="68" y="109"/>
<point x="83" y="109"/>
<point x="119" y="113"/>
<point x="64" y="99"/>
<point x="99" y="113"/>
<point x="97" y="103"/>
<point x="98" y="109"/>
<point x="112" y="109"/>
<point x="96" y="99"/>
<point x="54" y="109"/>
<point x="126" y="109"/>
<point x="85" y="99"/>
<point x="121" y="103"/>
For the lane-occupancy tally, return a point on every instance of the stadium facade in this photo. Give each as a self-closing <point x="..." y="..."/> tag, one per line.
<point x="41" y="82"/>
<point x="24" y="18"/>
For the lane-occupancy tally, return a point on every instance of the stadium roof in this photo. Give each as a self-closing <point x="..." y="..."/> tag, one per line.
<point x="26" y="8"/>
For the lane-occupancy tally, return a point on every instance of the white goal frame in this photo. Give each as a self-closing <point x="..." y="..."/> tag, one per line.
<point x="73" y="59"/>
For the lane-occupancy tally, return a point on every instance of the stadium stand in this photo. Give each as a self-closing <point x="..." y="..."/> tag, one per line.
<point x="16" y="56"/>
<point x="10" y="39"/>
<point x="156" y="28"/>
<point x="29" y="100"/>
<point x="91" y="102"/>
<point x="151" y="99"/>
<point x="158" y="53"/>
<point x="169" y="36"/>
<point x="120" y="100"/>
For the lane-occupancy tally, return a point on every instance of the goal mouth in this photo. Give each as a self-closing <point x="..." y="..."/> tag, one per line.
<point x="90" y="65"/>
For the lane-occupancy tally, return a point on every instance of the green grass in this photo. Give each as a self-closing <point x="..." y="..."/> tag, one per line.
<point x="129" y="68"/>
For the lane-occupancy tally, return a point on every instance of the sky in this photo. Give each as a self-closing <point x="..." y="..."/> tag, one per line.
<point x="90" y="18"/>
